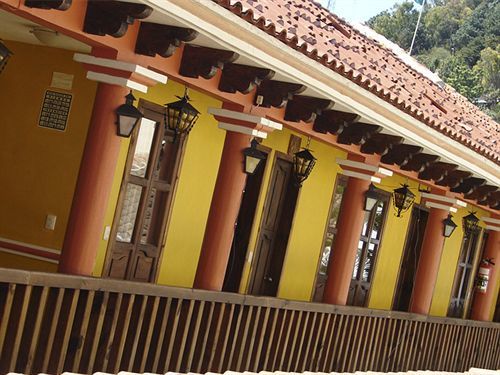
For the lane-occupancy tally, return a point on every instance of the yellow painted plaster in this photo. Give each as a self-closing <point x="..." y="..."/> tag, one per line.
<point x="39" y="166"/>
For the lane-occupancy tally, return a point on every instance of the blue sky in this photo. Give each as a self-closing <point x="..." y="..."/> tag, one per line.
<point x="360" y="10"/>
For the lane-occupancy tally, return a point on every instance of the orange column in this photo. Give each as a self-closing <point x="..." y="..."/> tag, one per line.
<point x="223" y="214"/>
<point x="483" y="302"/>
<point x="95" y="179"/>
<point x="428" y="265"/>
<point x="349" y="227"/>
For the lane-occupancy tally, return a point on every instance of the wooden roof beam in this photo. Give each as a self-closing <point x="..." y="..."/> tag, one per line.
<point x="49" y="4"/>
<point x="358" y="133"/>
<point x="277" y="93"/>
<point x="155" y="39"/>
<point x="306" y="108"/>
<point x="400" y="154"/>
<point x="242" y="78"/>
<point x="333" y="122"/>
<point x="380" y="144"/>
<point x="203" y="61"/>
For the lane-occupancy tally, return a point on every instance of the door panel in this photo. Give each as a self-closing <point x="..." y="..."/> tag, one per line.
<point x="275" y="229"/>
<point x="145" y="199"/>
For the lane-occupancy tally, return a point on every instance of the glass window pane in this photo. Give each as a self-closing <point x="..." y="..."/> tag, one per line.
<point x="337" y="201"/>
<point x="378" y="221"/>
<point x="129" y="213"/>
<point x="143" y="148"/>
<point x="365" y="223"/>
<point x="369" y="260"/>
<point x="153" y="217"/>
<point x="359" y="254"/>
<point x="165" y="166"/>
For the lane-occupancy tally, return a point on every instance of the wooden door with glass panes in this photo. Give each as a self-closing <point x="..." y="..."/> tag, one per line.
<point x="368" y="245"/>
<point x="145" y="198"/>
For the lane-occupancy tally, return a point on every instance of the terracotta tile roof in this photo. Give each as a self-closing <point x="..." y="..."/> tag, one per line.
<point x="307" y="27"/>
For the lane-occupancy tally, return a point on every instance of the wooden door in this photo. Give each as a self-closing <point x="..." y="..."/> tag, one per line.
<point x="277" y="218"/>
<point x="366" y="256"/>
<point x="244" y="223"/>
<point x="145" y="198"/>
<point x="411" y="256"/>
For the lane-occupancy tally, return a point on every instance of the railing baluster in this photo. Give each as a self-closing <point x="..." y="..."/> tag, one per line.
<point x="67" y="330"/>
<point x="301" y="343"/>
<point x="254" y="328"/>
<point x="149" y="334"/>
<point x="52" y="329"/>
<point x="388" y="350"/>
<point x="171" y="340"/>
<point x="367" y="344"/>
<point x="272" y="339"/>
<point x="375" y="352"/>
<point x="185" y="333"/>
<point x="294" y="341"/>
<point x="83" y="330"/>
<point x="108" y="341"/>
<point x="235" y="336"/>
<point x="244" y="338"/>
<point x="199" y="317"/>
<point x="352" y="322"/>
<point x="319" y="332"/>
<point x="20" y="327"/>
<point x="226" y="338"/>
<point x="285" y="343"/>
<point x="410" y="349"/>
<point x="357" y="343"/>
<point x="260" y="343"/>
<point x="161" y="336"/>
<point x="205" y="338"/>
<point x="42" y="305"/>
<point x="322" y="341"/>
<point x="338" y="342"/>
<point x="5" y="322"/>
<point x="124" y="333"/>
<point x="98" y="330"/>
<point x="220" y="319"/>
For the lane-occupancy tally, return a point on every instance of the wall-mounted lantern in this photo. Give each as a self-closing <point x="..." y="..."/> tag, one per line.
<point x="5" y="54"/>
<point x="180" y="116"/>
<point x="303" y="164"/>
<point x="371" y="198"/>
<point x="470" y="223"/>
<point x="127" y="116"/>
<point x="448" y="226"/>
<point x="403" y="199"/>
<point x="253" y="157"/>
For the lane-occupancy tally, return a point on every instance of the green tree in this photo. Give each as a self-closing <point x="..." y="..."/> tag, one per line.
<point x="398" y="25"/>
<point x="488" y="68"/>
<point x="465" y="80"/>
<point x="441" y="22"/>
<point x="434" y="57"/>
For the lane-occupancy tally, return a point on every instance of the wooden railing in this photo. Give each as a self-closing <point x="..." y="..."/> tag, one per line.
<point x="51" y="323"/>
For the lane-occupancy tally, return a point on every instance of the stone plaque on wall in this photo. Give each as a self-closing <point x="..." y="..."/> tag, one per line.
<point x="55" y="110"/>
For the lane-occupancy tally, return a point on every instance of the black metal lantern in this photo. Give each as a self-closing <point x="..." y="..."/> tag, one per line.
<point x="470" y="223"/>
<point x="371" y="198"/>
<point x="127" y="116"/>
<point x="253" y="157"/>
<point x="5" y="54"/>
<point x="180" y="116"/>
<point x="303" y="164"/>
<point x="403" y="199"/>
<point x="448" y="226"/>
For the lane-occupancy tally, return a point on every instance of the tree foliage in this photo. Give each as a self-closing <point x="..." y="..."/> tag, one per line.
<point x="458" y="39"/>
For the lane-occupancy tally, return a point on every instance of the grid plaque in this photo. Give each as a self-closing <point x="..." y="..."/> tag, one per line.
<point x="55" y="110"/>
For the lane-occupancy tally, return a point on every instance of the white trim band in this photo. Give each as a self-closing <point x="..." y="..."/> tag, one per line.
<point x="120" y="65"/>
<point x="442" y="198"/>
<point x="440" y="206"/>
<point x="242" y="130"/>
<point x="27" y="255"/>
<point x="363" y="166"/>
<point x="362" y="176"/>
<point x="490" y="220"/>
<point x="119" y="81"/>
<point x="240" y="116"/>
<point x="493" y="228"/>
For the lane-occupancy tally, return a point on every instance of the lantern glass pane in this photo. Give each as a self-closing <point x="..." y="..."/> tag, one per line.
<point x="143" y="148"/>
<point x="127" y="125"/>
<point x="448" y="230"/>
<point x="370" y="203"/>
<point x="251" y="164"/>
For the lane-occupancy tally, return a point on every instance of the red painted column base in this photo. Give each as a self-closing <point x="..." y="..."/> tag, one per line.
<point x="95" y="179"/>
<point x="344" y="250"/>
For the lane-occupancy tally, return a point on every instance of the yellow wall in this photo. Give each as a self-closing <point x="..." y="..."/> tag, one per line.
<point x="391" y="247"/>
<point x="198" y="173"/>
<point x="39" y="166"/>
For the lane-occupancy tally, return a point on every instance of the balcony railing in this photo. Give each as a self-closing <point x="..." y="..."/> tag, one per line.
<point x="53" y="323"/>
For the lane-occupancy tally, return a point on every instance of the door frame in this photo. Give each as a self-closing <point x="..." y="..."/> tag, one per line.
<point x="155" y="111"/>
<point x="407" y="239"/>
<point x="255" y="256"/>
